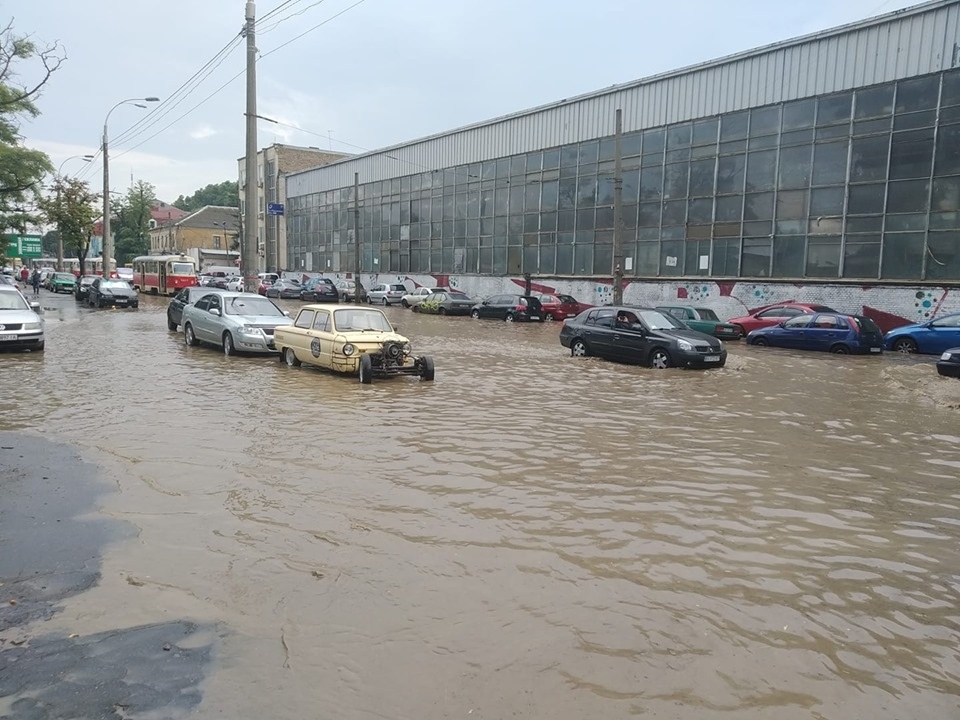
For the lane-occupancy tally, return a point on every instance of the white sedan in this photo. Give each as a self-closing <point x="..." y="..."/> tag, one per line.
<point x="420" y="294"/>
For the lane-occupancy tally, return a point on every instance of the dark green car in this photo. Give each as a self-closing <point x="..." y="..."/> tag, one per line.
<point x="703" y="320"/>
<point x="63" y="282"/>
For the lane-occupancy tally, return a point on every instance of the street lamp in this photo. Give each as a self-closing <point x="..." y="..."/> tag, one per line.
<point x="107" y="248"/>
<point x="85" y="158"/>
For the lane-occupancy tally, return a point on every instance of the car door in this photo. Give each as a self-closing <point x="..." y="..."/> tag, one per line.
<point x="177" y="303"/>
<point x="488" y="308"/>
<point x="321" y="340"/>
<point x="942" y="334"/>
<point x="203" y="319"/>
<point x="297" y="335"/>
<point x="823" y="332"/>
<point x="598" y="331"/>
<point x="93" y="293"/>
<point x="630" y="343"/>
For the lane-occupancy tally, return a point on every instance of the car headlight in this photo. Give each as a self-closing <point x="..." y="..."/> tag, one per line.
<point x="349" y="349"/>
<point x="33" y="326"/>
<point x="250" y="330"/>
<point x="684" y="345"/>
<point x="407" y="348"/>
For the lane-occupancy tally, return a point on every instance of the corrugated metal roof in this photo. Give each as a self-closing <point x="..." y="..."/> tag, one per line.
<point x="914" y="41"/>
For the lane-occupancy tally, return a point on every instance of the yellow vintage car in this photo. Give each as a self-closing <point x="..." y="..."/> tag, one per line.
<point x="354" y="340"/>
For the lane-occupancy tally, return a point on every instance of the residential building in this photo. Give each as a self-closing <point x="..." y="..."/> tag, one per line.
<point x="273" y="162"/>
<point x="211" y="234"/>
<point x="825" y="167"/>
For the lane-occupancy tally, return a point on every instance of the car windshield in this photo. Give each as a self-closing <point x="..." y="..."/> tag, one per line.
<point x="706" y="314"/>
<point x="251" y="305"/>
<point x="567" y="298"/>
<point x="112" y="284"/>
<point x="12" y="301"/>
<point x="657" y="320"/>
<point x="361" y="320"/>
<point x="87" y="279"/>
<point x="822" y="308"/>
<point x="182" y="268"/>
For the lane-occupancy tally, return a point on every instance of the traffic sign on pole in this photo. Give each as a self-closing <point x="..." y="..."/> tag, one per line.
<point x="24" y="246"/>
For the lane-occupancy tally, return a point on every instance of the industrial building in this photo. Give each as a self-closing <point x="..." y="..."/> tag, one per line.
<point x="810" y="166"/>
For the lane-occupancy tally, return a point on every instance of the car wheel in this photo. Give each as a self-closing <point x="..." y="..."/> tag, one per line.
<point x="416" y="308"/>
<point x="907" y="346"/>
<point x="426" y="368"/>
<point x="840" y="350"/>
<point x="660" y="359"/>
<point x="548" y="316"/>
<point x="761" y="341"/>
<point x="743" y="333"/>
<point x="290" y="358"/>
<point x="188" y="337"/>
<point x="405" y="303"/>
<point x="171" y="325"/>
<point x="475" y="314"/>
<point x="579" y="348"/>
<point x="508" y="317"/>
<point x="384" y="302"/>
<point x="366" y="370"/>
<point x="442" y="311"/>
<point x="228" y="348"/>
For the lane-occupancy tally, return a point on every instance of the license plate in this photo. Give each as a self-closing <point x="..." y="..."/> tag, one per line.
<point x="534" y="317"/>
<point x="876" y="350"/>
<point x="712" y="358"/>
<point x="9" y="337"/>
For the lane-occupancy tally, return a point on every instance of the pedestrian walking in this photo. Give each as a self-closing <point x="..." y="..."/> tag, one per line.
<point x="35" y="281"/>
<point x="24" y="276"/>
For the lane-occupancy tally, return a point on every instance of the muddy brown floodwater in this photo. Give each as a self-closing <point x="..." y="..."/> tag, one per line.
<point x="530" y="536"/>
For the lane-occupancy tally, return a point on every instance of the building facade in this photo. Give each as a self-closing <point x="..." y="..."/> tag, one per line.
<point x="272" y="164"/>
<point x="210" y="234"/>
<point x="803" y="169"/>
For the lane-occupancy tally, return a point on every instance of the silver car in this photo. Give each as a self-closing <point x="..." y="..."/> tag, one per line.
<point x="237" y="322"/>
<point x="386" y="293"/>
<point x="21" y="328"/>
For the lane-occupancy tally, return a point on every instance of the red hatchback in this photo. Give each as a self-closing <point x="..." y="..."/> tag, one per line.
<point x="561" y="307"/>
<point x="775" y="314"/>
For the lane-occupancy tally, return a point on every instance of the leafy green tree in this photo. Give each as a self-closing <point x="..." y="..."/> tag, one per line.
<point x="133" y="221"/>
<point x="226" y="194"/>
<point x="49" y="243"/>
<point x="21" y="168"/>
<point x="73" y="209"/>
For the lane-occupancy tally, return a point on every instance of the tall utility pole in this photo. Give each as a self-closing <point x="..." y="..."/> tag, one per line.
<point x="356" y="237"/>
<point x="618" y="213"/>
<point x="248" y="245"/>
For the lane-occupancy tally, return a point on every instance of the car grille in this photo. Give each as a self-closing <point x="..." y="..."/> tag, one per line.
<point x="268" y="331"/>
<point x="702" y="348"/>
<point x="12" y="326"/>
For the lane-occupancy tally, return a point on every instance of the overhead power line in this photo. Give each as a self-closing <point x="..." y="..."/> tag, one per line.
<point x="318" y="25"/>
<point x="263" y="31"/>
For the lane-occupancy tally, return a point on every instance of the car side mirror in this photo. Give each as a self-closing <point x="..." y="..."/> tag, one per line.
<point x="287" y="313"/>
<point x="35" y="306"/>
<point x="214" y="311"/>
<point x="396" y="328"/>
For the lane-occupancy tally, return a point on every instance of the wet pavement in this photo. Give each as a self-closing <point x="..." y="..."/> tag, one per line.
<point x="530" y="535"/>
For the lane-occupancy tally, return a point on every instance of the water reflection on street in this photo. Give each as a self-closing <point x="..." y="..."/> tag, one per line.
<point x="530" y="535"/>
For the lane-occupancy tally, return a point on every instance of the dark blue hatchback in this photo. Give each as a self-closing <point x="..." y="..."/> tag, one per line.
<point x="829" y="332"/>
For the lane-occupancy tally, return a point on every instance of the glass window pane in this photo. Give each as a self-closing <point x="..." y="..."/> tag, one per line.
<point x="869" y="158"/>
<point x="602" y="259"/>
<point x="705" y="131"/>
<point x="864" y="223"/>
<point x="834" y="109"/>
<point x="569" y="155"/>
<point x="671" y="257"/>
<point x="675" y="180"/>
<point x="761" y="170"/>
<point x="918" y="93"/>
<point x="755" y="260"/>
<point x="950" y="94"/>
<point x="906" y="223"/>
<point x="874" y="102"/>
<point x="630" y="144"/>
<point x="651" y="183"/>
<point x="795" y="168"/>
<point x="948" y="150"/>
<point x="582" y="258"/>
<point x="702" y="174"/>
<point x="730" y="174"/>
<point x="765" y="121"/>
<point x="653" y="142"/>
<point x="865" y="199"/>
<point x="792" y="205"/>
<point x="729" y="208"/>
<point x="862" y="259"/>
<point x="871" y="127"/>
<point x="674" y="212"/>
<point x="759" y="228"/>
<point x="823" y="257"/>
<point x="734" y="126"/>
<point x="946" y="194"/>
<point x="678" y="136"/>
<point x="551" y="159"/>
<point x="589" y="152"/>
<point x="587" y="192"/>
<point x="825" y="225"/>
<point x="908" y="196"/>
<point x="830" y="163"/>
<point x="911" y="121"/>
<point x="648" y="215"/>
<point x="943" y="256"/>
<point x="726" y="258"/>
<point x="564" y="259"/>
<point x="902" y="256"/>
<point x="911" y="154"/>
<point x="700" y="211"/>
<point x="826" y="201"/>
<point x="759" y="206"/>
<point x="799" y="114"/>
<point x="568" y="194"/>
<point x="788" y="256"/>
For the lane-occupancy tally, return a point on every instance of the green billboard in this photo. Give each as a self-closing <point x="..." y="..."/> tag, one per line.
<point x="24" y="246"/>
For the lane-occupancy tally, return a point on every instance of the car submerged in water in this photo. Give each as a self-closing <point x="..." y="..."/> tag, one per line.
<point x="830" y="332"/>
<point x="643" y="336"/>
<point x="931" y="338"/>
<point x="237" y="322"/>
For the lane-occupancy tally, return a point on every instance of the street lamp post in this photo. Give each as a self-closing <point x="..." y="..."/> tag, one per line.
<point x="85" y="158"/>
<point x="107" y="245"/>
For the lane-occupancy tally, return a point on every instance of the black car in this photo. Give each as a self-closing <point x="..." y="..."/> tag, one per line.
<point x="186" y="296"/>
<point x="83" y="285"/>
<point x="284" y="289"/>
<point x="519" y="308"/>
<point x="949" y="363"/>
<point x="319" y="290"/>
<point x="106" y="292"/>
<point x="641" y="335"/>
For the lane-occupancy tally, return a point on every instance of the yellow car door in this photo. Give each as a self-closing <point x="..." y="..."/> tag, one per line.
<point x="298" y="335"/>
<point x="321" y="340"/>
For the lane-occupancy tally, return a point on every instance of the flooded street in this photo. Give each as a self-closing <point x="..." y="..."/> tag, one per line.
<point x="531" y="535"/>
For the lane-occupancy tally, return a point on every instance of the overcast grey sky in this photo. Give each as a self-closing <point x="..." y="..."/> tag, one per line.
<point x="383" y="72"/>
